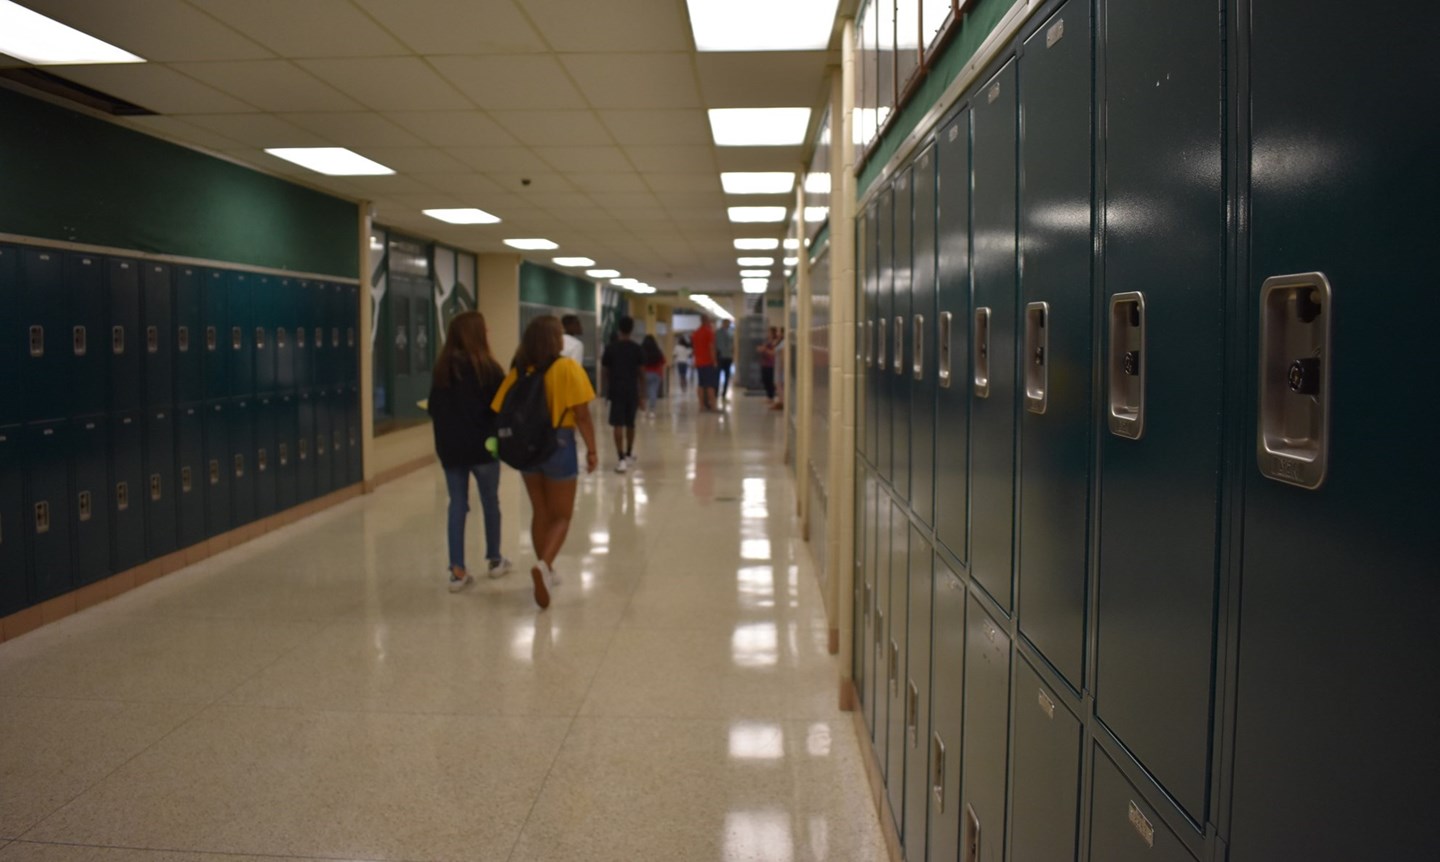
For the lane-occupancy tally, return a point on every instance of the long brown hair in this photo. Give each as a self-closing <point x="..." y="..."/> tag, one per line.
<point x="540" y="344"/>
<point x="466" y="341"/>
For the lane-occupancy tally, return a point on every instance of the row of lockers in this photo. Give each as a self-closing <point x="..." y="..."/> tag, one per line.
<point x="81" y="499"/>
<point x="1130" y="583"/>
<point x="94" y="334"/>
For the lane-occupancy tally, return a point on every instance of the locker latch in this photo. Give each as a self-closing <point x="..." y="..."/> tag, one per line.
<point x="78" y="341"/>
<point x="320" y="440"/>
<point x="260" y="338"/>
<point x="237" y="339"/>
<point x="117" y="340"/>
<point x="335" y="336"/>
<point x="300" y="336"/>
<point x="182" y="339"/>
<point x="912" y="714"/>
<point x="971" y="850"/>
<point x="212" y="342"/>
<point x="282" y="337"/>
<point x="122" y="496"/>
<point x="152" y="339"/>
<point x="155" y="488"/>
<point x="37" y="341"/>
<point x="917" y="350"/>
<point x="319" y="340"/>
<point x="239" y="466"/>
<point x="350" y="337"/>
<point x="85" y="505"/>
<point x="262" y="460"/>
<point x="1037" y="345"/>
<point x="214" y="471"/>
<point x="898" y="362"/>
<point x="284" y="454"/>
<point x="42" y="517"/>
<point x="352" y="438"/>
<point x="937" y="771"/>
<point x="1127" y="365"/>
<point x="880" y="344"/>
<point x="1295" y="359"/>
<point x="894" y="668"/>
<point x="336" y="442"/>
<point x="185" y="484"/>
<point x="981" y="348"/>
<point x="944" y="372"/>
<point x="304" y="449"/>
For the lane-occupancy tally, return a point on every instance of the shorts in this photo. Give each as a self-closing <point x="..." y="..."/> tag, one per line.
<point x="623" y="407"/>
<point x="709" y="376"/>
<point x="564" y="462"/>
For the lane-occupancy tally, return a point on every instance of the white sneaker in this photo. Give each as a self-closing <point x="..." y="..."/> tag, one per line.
<point x="499" y="568"/>
<point x="458" y="584"/>
<point x="622" y="465"/>
<point x="553" y="578"/>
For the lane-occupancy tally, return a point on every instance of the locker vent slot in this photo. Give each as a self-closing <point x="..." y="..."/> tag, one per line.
<point x="182" y="339"/>
<point x="122" y="496"/>
<point x="185" y="480"/>
<point x="262" y="460"/>
<point x="214" y="471"/>
<point x="78" y="340"/>
<point x="117" y="340"/>
<point x="85" y="505"/>
<point x="42" y="517"/>
<point x="156" y="488"/>
<point x="211" y="339"/>
<point x="37" y="341"/>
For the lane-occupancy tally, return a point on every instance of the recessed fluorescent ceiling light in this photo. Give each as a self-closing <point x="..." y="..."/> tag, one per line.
<point x="757" y="182"/>
<point x="759" y="127"/>
<point x="573" y="261"/>
<point x="754" y="273"/>
<point x="791" y="261"/>
<point x="603" y="273"/>
<point x="624" y="282"/>
<point x="730" y="25"/>
<point x="792" y="242"/>
<point x="536" y="244"/>
<point x="757" y="244"/>
<point x="754" y="285"/>
<point x="30" y="36"/>
<point x="331" y="161"/>
<point x="817" y="184"/>
<point x="755" y="261"/>
<point x="814" y="214"/>
<point x="463" y="216"/>
<point x="757" y="214"/>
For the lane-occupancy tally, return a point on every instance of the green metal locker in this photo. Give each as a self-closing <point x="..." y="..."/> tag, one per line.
<point x="324" y="475"/>
<point x="339" y="451"/>
<point x="916" y="697"/>
<point x="216" y="339"/>
<point x="352" y="334"/>
<point x="947" y="708"/>
<point x="282" y="309"/>
<point x="884" y="378"/>
<point x="336" y="319"/>
<point x="860" y="607"/>
<point x="921" y="366"/>
<point x="1124" y="827"/>
<point x="900" y="371"/>
<point x="86" y="336"/>
<point x="880" y="678"/>
<point x="896" y="643"/>
<point x="12" y="514"/>
<point x="190" y="476"/>
<point x="1045" y="813"/>
<point x="189" y="335"/>
<point x="993" y="342"/>
<point x="987" y="711"/>
<point x="870" y="310"/>
<point x="320" y="335"/>
<point x="1056" y="343"/>
<point x="14" y="340"/>
<point x="47" y="515"/>
<point x="161" y="491"/>
<point x="298" y="310"/>
<point x="242" y="461"/>
<point x="126" y="339"/>
<point x="46" y="334"/>
<point x="159" y="346"/>
<point x="355" y="454"/>
<point x="263" y="333"/>
<point x="241" y="342"/>
<point x="89" y="453"/>
<point x="952" y="337"/>
<point x="1155" y="611"/>
<point x="865" y="651"/>
<point x="218" y="468"/>
<point x="266" y="463"/>
<point x="286" y="457"/>
<point x="127" y="491"/>
<point x="305" y="469"/>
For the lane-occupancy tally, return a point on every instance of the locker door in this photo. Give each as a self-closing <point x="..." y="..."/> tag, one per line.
<point x="865" y="655"/>
<point x="1124" y="827"/>
<point x="158" y="335"/>
<point x="126" y="339"/>
<point x="161" y="497"/>
<point x="1048" y="738"/>
<point x="242" y="462"/>
<point x="266" y="463"/>
<point x="884" y="385"/>
<point x="89" y="447"/>
<point x="860" y="629"/>
<point x="189" y="336"/>
<point x="86" y="338"/>
<point x="921" y="364"/>
<point x="241" y="342"/>
<point x="987" y="710"/>
<point x="190" y="475"/>
<point x="14" y="342"/>
<point x="47" y="516"/>
<point x="339" y="451"/>
<point x="305" y="473"/>
<point x="896" y="643"/>
<point x="218" y="468"/>
<point x="993" y="330"/>
<point x="947" y="671"/>
<point x="284" y="408"/>
<point x="352" y="335"/>
<point x="869" y="301"/>
<point x="355" y="469"/>
<point x="263" y="333"/>
<point x="12" y="515"/>
<point x="917" y="698"/>
<point x="127" y="491"/>
<point x="299" y="313"/>
<point x="952" y="338"/>
<point x="46" y="369"/>
<point x="1055" y="418"/>
<point x="335" y="322"/>
<point x="319" y="302"/>
<point x="282" y="306"/>
<point x="1156" y="598"/>
<point x="324" y="475"/>
<point x="215" y="315"/>
<point x="880" y="678"/>
<point x="1335" y="741"/>
<point x="900" y="371"/>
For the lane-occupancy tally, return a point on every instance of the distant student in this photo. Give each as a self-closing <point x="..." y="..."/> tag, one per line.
<point x="462" y="386"/>
<point x="551" y="485"/>
<point x="725" y="357"/>
<point x="683" y="356"/>
<point x="574" y="346"/>
<point x="622" y="368"/>
<point x="705" y="369"/>
<point x="767" y="363"/>
<point x="654" y="368"/>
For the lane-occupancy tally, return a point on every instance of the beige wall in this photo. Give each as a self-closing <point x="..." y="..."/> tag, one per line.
<point x="498" y="298"/>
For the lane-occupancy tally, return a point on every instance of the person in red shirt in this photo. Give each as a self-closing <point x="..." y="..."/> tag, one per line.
<point x="703" y="342"/>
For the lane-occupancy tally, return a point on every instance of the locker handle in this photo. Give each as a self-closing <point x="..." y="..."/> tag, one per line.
<point x="239" y="466"/>
<point x="304" y="449"/>
<point x="319" y="337"/>
<point x="1126" y="365"/>
<point x="898" y="360"/>
<point x="917" y="350"/>
<point x="42" y="517"/>
<point x="971" y="852"/>
<point x="981" y="347"/>
<point x="880" y="344"/>
<point x="944" y="372"/>
<point x="860" y="342"/>
<point x="937" y="771"/>
<point x="37" y="341"/>
<point x="350" y="337"/>
<point x="894" y="669"/>
<point x="912" y="714"/>
<point x="299" y="336"/>
<point x="237" y="338"/>
<point x="152" y="339"/>
<point x="79" y="342"/>
<point x="1292" y="445"/>
<point x="117" y="340"/>
<point x="214" y="471"/>
<point x="185" y="480"/>
<point x="1037" y="357"/>
<point x="282" y="337"/>
<point x="182" y="339"/>
<point x="284" y="454"/>
<point x="86" y="506"/>
<point x="260" y="338"/>
<point x="122" y="496"/>
<point x="334" y="336"/>
<point x="156" y="488"/>
<point x="879" y="628"/>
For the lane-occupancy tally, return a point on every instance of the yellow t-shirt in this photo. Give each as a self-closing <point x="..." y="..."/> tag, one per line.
<point x="566" y="386"/>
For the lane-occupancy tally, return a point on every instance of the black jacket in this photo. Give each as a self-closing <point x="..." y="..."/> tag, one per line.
<point x="462" y="419"/>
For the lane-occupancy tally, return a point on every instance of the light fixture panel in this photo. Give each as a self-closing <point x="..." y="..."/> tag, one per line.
<point x="793" y="25"/>
<point x="531" y="244"/>
<point x="27" y="35"/>
<point x="573" y="261"/>
<point x="759" y="127"/>
<point x="756" y="215"/>
<point x="757" y="182"/>
<point x="468" y="215"/>
<point x="331" y="161"/>
<point x="757" y="244"/>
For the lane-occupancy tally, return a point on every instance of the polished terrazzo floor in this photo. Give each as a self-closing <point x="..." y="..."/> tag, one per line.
<point x="318" y="694"/>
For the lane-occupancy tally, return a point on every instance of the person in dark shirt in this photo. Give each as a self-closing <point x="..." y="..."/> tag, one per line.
<point x="622" y="366"/>
<point x="464" y="382"/>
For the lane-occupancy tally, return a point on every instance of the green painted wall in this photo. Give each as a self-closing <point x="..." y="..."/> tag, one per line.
<point x="66" y="176"/>
<point x="544" y="286"/>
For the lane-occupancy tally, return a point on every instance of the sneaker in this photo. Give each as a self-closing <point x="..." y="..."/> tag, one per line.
<point x="499" y="568"/>
<point x="622" y="465"/>
<point x="458" y="584"/>
<point x="540" y="573"/>
<point x="553" y="578"/>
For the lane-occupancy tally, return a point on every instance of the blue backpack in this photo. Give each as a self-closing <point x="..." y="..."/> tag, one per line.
<point x="524" y="434"/>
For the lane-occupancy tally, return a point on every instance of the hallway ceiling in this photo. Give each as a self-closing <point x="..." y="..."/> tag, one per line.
<point x="599" y="104"/>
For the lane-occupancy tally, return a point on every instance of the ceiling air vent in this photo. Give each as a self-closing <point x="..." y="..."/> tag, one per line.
<point x="54" y="85"/>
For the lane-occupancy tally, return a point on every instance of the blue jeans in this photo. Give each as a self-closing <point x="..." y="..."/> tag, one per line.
<point x="652" y="388"/>
<point x="487" y="482"/>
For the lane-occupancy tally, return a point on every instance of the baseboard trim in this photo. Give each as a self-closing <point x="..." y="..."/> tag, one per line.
<point x="876" y="779"/>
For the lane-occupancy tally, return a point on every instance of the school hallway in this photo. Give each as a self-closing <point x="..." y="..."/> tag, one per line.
<point x="317" y="693"/>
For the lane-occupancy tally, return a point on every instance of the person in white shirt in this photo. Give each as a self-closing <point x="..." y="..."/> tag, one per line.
<point x="574" y="347"/>
<point x="681" y="358"/>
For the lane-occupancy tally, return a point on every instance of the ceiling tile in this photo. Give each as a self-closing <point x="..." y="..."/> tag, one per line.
<point x="161" y="31"/>
<point x="609" y="184"/>
<point x="391" y="185"/>
<point x="631" y="201"/>
<point x="457" y="26"/>
<point x="658" y="128"/>
<point x="389" y="83"/>
<point x="453" y="128"/>
<point x="257" y="130"/>
<point x="558" y="200"/>
<point x="159" y="88"/>
<point x="463" y="184"/>
<point x="499" y="158"/>
<point x="417" y="160"/>
<point x="270" y="85"/>
<point x="312" y="28"/>
<point x="538" y="128"/>
<point x="688" y="182"/>
<point x="511" y="82"/>
<point x="698" y="215"/>
<point x="759" y="158"/>
<point x="542" y="182"/>
<point x="615" y="25"/>
<point x="765" y="79"/>
<point x="351" y="129"/>
<point x="585" y="159"/>
<point x="687" y="159"/>
<point x="635" y="80"/>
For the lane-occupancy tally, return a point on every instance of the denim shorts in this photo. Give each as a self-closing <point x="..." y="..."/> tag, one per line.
<point x="564" y="462"/>
<point x="709" y="376"/>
